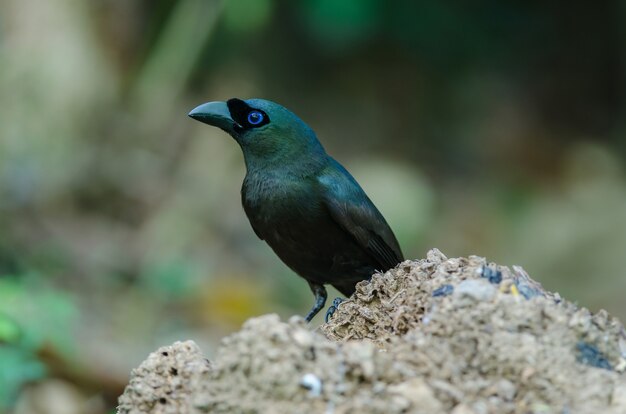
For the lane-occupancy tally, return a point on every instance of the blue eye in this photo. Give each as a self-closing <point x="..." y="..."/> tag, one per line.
<point x="255" y="118"/>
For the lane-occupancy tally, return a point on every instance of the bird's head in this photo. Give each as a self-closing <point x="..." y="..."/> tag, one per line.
<point x="266" y="131"/>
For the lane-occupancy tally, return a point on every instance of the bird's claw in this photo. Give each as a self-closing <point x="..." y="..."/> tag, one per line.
<point x="332" y="309"/>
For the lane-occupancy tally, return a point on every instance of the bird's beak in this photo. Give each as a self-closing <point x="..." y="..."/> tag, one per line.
<point x="215" y="114"/>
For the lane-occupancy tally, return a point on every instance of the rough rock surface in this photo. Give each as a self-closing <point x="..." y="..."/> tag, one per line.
<point x="431" y="336"/>
<point x="166" y="381"/>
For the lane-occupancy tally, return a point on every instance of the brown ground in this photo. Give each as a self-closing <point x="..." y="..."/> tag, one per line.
<point x="432" y="336"/>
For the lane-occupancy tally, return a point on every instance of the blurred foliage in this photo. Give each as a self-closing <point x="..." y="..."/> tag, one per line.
<point x="33" y="317"/>
<point x="491" y="128"/>
<point x="19" y="366"/>
<point x="18" y="361"/>
<point x="44" y="315"/>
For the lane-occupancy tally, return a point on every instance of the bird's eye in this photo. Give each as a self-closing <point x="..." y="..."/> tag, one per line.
<point x="255" y="118"/>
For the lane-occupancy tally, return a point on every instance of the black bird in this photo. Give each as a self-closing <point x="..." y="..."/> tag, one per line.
<point x="302" y="202"/>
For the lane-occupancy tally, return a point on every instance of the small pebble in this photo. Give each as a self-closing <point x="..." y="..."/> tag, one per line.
<point x="492" y="275"/>
<point x="476" y="289"/>
<point x="526" y="290"/>
<point x="444" y="290"/>
<point x="312" y="383"/>
<point x="588" y="354"/>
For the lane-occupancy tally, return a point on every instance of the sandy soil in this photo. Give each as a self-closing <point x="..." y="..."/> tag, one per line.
<point x="438" y="335"/>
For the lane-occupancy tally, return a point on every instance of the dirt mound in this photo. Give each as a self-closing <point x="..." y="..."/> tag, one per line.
<point x="431" y="336"/>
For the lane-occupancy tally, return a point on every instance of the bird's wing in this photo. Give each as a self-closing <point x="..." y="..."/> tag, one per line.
<point x="355" y="213"/>
<point x="256" y="231"/>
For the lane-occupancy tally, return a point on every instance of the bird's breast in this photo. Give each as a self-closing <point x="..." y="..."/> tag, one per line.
<point x="291" y="216"/>
<point x="272" y="203"/>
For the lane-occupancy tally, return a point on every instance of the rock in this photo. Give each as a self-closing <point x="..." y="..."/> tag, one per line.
<point x="166" y="382"/>
<point x="395" y="347"/>
<point x="477" y="289"/>
<point x="462" y="409"/>
<point x="419" y="394"/>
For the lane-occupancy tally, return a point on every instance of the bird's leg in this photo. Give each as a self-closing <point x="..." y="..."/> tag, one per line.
<point x="332" y="309"/>
<point x="320" y="300"/>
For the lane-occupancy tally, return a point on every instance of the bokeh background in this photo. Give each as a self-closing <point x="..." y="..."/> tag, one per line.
<point x="491" y="128"/>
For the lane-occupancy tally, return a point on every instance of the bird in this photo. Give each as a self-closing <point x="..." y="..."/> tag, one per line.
<point x="303" y="203"/>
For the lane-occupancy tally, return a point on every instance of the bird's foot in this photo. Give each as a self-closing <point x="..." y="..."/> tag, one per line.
<point x="332" y="309"/>
<point x="320" y="300"/>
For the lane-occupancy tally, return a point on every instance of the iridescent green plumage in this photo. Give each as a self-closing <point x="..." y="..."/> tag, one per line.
<point x="302" y="202"/>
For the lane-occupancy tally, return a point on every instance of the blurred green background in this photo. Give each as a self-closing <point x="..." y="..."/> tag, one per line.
<point x="490" y="128"/>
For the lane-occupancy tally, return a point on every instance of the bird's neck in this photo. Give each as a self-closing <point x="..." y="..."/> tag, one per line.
<point x="294" y="165"/>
